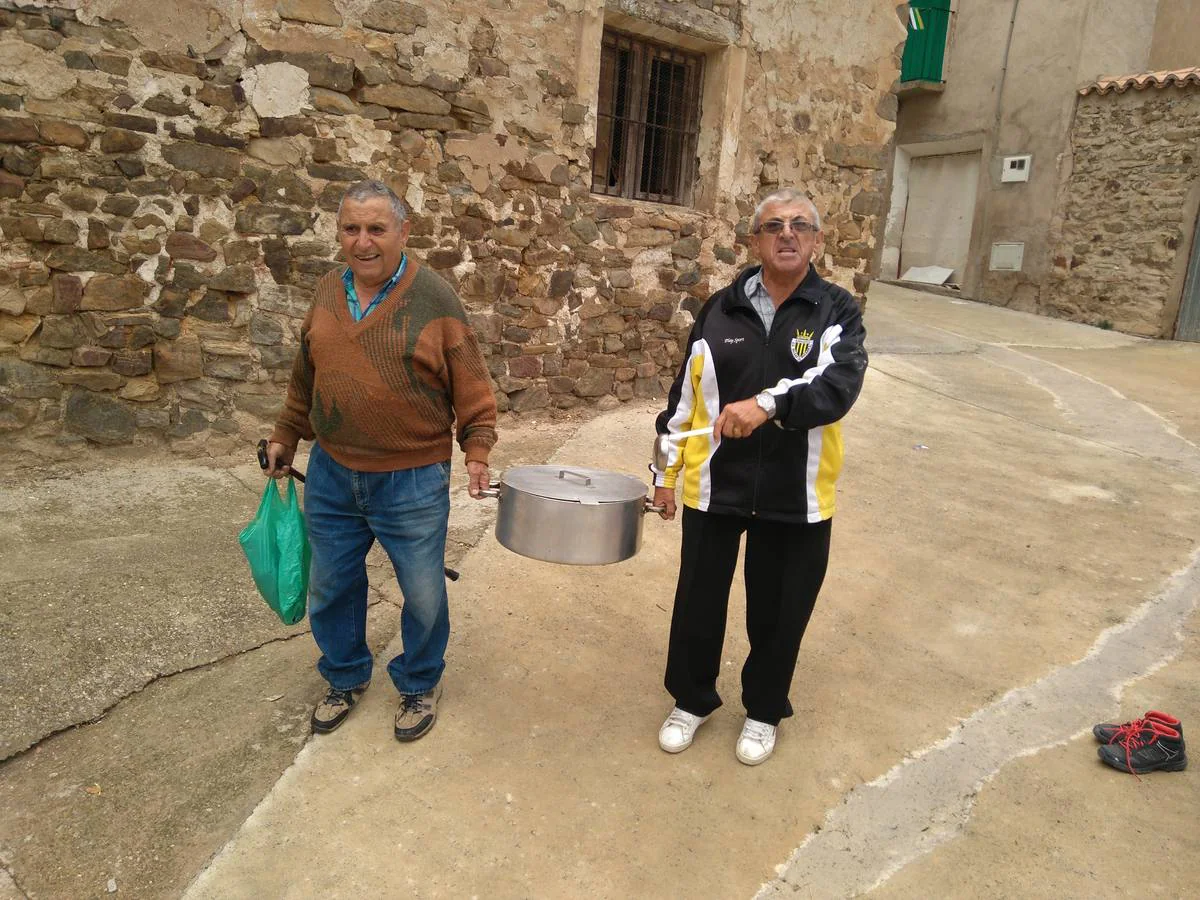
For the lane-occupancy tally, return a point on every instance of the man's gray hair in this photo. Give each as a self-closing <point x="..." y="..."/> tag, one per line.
<point x="785" y="195"/>
<point x="361" y="191"/>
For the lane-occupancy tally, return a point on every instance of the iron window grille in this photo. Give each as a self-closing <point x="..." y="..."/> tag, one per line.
<point x="648" y="120"/>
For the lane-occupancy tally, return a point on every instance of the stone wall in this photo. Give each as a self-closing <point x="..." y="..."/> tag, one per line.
<point x="1129" y="207"/>
<point x="169" y="175"/>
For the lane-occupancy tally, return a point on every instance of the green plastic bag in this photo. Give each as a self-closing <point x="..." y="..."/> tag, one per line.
<point x="276" y="546"/>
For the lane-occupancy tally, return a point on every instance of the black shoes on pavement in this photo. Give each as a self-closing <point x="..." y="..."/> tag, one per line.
<point x="332" y="711"/>
<point x="414" y="718"/>
<point x="1153" y="743"/>
<point x="1111" y="732"/>
<point x="417" y="713"/>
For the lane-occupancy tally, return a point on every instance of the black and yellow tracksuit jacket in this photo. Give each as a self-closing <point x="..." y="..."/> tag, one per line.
<point x="812" y="362"/>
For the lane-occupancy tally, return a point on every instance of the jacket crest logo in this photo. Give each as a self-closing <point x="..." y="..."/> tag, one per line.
<point x="801" y="344"/>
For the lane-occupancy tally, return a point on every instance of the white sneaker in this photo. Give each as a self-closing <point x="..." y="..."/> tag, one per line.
<point x="677" y="732"/>
<point x="756" y="743"/>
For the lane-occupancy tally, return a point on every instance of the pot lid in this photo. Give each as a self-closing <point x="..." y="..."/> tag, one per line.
<point x="575" y="484"/>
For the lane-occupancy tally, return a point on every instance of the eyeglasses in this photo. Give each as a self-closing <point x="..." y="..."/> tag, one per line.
<point x="776" y="226"/>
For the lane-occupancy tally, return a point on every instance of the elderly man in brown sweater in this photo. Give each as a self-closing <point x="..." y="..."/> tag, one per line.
<point x="388" y="374"/>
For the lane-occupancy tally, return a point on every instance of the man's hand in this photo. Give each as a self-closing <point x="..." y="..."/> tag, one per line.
<point x="477" y="478"/>
<point x="665" y="497"/>
<point x="279" y="460"/>
<point x="739" y="420"/>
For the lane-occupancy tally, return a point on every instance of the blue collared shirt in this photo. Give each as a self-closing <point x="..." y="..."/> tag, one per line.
<point x="757" y="294"/>
<point x="356" y="311"/>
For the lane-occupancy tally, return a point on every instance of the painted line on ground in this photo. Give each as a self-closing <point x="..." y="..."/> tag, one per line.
<point x="926" y="800"/>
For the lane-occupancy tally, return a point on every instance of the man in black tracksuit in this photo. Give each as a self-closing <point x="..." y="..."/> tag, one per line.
<point x="774" y="361"/>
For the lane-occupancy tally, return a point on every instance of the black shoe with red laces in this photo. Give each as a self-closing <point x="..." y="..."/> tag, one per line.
<point x="1155" y="747"/>
<point x="1112" y="733"/>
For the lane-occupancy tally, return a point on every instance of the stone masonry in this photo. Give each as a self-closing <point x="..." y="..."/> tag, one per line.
<point x="169" y="176"/>
<point x="1136" y="159"/>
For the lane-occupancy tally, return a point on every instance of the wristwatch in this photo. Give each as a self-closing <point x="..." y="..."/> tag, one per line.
<point x="766" y="402"/>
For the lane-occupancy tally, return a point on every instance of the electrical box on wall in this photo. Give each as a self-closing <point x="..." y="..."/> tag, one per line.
<point x="1016" y="168"/>
<point x="1007" y="256"/>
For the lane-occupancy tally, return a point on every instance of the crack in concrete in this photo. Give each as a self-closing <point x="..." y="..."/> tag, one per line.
<point x="379" y="598"/>
<point x="926" y="800"/>
<point x="159" y="677"/>
<point x="12" y="881"/>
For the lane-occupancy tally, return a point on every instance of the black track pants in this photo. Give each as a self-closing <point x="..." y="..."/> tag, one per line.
<point x="785" y="566"/>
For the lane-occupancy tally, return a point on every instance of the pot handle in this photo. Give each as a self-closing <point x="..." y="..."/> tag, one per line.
<point x="492" y="491"/>
<point x="649" y="507"/>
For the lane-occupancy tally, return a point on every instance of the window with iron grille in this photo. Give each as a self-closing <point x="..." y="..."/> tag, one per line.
<point x="648" y="120"/>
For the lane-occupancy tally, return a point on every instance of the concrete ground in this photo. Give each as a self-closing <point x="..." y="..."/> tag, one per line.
<point x="1015" y="557"/>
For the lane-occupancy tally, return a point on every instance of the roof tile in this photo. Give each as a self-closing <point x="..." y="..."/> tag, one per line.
<point x="1122" y="83"/>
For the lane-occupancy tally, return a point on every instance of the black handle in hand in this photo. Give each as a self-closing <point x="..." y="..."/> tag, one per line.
<point x="264" y="462"/>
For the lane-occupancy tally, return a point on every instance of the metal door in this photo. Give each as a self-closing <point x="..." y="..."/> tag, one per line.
<point x="1189" y="310"/>
<point x="939" y="212"/>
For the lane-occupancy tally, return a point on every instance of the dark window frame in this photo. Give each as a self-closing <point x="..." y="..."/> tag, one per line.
<point x="648" y="120"/>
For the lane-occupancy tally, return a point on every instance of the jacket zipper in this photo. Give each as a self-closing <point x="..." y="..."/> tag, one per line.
<point x="763" y="382"/>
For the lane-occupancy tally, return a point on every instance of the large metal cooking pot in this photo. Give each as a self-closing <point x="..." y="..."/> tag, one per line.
<point x="571" y="515"/>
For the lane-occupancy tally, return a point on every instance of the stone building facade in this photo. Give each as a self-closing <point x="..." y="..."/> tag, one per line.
<point x="169" y="177"/>
<point x="1129" y="209"/>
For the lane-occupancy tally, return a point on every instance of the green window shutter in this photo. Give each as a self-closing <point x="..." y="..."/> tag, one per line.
<point x="928" y="23"/>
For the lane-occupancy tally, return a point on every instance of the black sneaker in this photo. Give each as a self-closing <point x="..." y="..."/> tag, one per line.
<point x="417" y="713"/>
<point x="1112" y="733"/>
<point x="332" y="711"/>
<point x="1154" y="748"/>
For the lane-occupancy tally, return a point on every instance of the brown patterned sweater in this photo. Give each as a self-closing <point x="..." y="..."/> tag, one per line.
<point x="385" y="393"/>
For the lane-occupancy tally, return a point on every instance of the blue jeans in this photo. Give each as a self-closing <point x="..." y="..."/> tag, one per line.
<point x="407" y="511"/>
